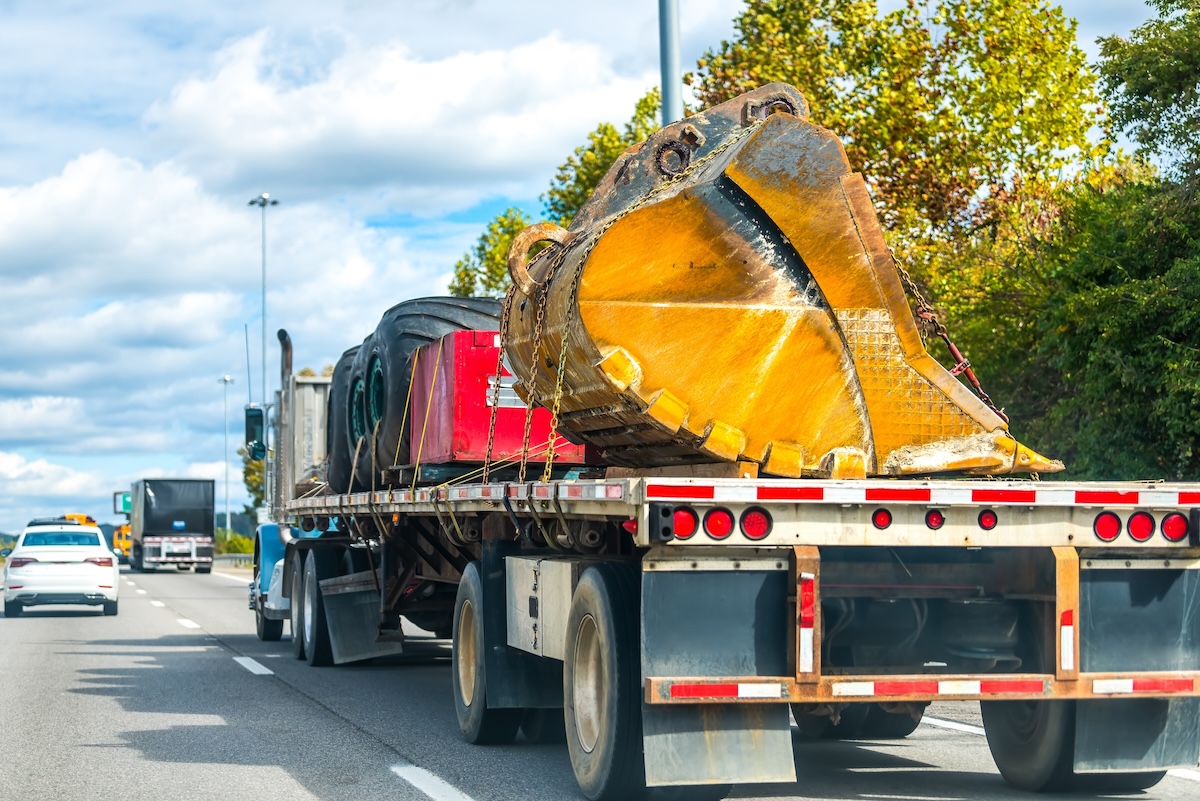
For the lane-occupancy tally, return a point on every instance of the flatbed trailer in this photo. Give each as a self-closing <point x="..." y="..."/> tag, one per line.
<point x="689" y="613"/>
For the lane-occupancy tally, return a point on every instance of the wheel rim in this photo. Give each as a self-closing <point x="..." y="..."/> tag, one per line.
<point x="297" y="600"/>
<point x="310" y="602"/>
<point x="465" y="649"/>
<point x="376" y="392"/>
<point x="358" y="411"/>
<point x="588" y="694"/>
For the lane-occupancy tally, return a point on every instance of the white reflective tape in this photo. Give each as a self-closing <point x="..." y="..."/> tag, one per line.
<point x="806" y="650"/>
<point x="854" y="688"/>
<point x="1112" y="686"/>
<point x="1068" y="647"/>
<point x="959" y="688"/>
<point x="760" y="690"/>
<point x="950" y="497"/>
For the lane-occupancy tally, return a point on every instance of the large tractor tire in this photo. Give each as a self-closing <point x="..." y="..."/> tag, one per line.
<point x="358" y="432"/>
<point x="337" y="427"/>
<point x="388" y="364"/>
<point x="480" y="724"/>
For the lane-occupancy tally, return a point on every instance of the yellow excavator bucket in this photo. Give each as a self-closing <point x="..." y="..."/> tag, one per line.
<point x="726" y="295"/>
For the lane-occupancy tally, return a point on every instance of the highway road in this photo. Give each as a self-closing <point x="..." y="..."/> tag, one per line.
<point x="175" y="698"/>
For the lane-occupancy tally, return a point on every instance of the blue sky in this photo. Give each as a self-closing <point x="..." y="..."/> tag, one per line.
<point x="133" y="132"/>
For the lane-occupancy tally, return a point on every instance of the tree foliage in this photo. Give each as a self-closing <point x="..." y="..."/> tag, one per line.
<point x="483" y="270"/>
<point x="935" y="102"/>
<point x="253" y="475"/>
<point x="1152" y="80"/>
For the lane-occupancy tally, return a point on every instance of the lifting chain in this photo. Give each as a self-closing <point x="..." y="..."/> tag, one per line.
<point x="491" y="441"/>
<point x="929" y="321"/>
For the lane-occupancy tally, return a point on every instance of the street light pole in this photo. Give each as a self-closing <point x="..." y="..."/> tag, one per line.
<point x="262" y="201"/>
<point x="226" y="380"/>
<point x="668" y="54"/>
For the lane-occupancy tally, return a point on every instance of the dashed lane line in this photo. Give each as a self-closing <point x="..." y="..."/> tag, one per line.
<point x="254" y="667"/>
<point x="1178" y="773"/>
<point x="429" y="784"/>
<point x="159" y="604"/>
<point x="141" y="592"/>
<point x="187" y="624"/>
<point x="231" y="577"/>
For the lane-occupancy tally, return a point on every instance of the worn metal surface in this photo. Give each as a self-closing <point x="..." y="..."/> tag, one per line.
<point x="727" y="294"/>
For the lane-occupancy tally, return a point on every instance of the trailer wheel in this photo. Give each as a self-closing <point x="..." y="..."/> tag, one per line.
<point x="135" y="560"/>
<point x="821" y="727"/>
<point x="602" y="685"/>
<point x="480" y="725"/>
<point x="544" y="726"/>
<point x="297" y="604"/>
<point x="268" y="630"/>
<point x="883" y="725"/>
<point x="317" y="649"/>
<point x="203" y="568"/>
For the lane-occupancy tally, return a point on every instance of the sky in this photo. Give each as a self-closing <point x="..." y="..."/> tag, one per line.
<point x="133" y="133"/>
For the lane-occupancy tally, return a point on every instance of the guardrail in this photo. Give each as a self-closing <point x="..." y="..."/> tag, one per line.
<point x="234" y="559"/>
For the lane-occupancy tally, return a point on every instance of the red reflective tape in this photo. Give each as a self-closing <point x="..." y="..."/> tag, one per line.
<point x="686" y="491"/>
<point x="1068" y="617"/>
<point x="574" y="492"/>
<point x="704" y="691"/>
<point x="889" y="494"/>
<point x="1189" y="497"/>
<point x="1001" y="687"/>
<point x="791" y="494"/>
<point x="1163" y="685"/>
<point x="906" y="688"/>
<point x="1003" y="496"/>
<point x="1106" y="498"/>
<point x="808" y="610"/>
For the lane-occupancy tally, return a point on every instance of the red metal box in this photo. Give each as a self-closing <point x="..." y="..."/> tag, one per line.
<point x="451" y="409"/>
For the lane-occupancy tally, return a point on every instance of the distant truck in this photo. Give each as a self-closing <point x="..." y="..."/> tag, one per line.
<point x="172" y="522"/>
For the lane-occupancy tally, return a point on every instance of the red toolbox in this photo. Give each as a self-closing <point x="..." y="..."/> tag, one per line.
<point x="451" y="404"/>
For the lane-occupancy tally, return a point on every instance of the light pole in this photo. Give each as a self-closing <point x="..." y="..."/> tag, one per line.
<point x="226" y="380"/>
<point x="262" y="201"/>
<point x="668" y="54"/>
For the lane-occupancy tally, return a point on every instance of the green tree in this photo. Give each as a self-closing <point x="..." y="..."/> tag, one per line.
<point x="483" y="270"/>
<point x="937" y="102"/>
<point x="253" y="472"/>
<point x="1152" y="80"/>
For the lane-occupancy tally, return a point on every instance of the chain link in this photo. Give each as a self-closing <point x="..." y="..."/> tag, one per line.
<point x="491" y="441"/>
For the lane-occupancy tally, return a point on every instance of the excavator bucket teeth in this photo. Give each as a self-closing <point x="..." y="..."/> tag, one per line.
<point x="727" y="295"/>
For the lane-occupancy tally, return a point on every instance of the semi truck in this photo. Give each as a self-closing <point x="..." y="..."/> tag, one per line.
<point x="172" y="524"/>
<point x="697" y="481"/>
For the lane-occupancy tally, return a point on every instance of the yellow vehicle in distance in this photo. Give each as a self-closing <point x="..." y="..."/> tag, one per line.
<point x="122" y="542"/>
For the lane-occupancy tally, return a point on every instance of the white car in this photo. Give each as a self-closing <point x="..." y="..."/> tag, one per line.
<point x="60" y="562"/>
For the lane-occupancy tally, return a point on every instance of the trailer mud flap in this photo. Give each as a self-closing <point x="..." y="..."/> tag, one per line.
<point x="352" y="614"/>
<point x="1137" y="620"/>
<point x="734" y="623"/>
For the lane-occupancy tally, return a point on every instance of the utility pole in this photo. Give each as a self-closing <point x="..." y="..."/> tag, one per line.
<point x="226" y="380"/>
<point x="668" y="55"/>
<point x="262" y="201"/>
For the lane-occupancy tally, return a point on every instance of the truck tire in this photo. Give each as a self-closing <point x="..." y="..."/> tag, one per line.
<point x="110" y="608"/>
<point x="203" y="569"/>
<point x="358" y="433"/>
<point x="544" y="726"/>
<point x="317" y="648"/>
<point x="337" y="444"/>
<point x="480" y="724"/>
<point x="602" y="685"/>
<point x="297" y="603"/>
<point x="387" y="365"/>
<point x="12" y="609"/>
<point x="269" y="630"/>
<point x="820" y="727"/>
<point x="135" y="560"/>
<point x="883" y="725"/>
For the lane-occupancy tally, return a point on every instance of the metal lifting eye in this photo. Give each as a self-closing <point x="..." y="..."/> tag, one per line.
<point x="673" y="158"/>
<point x="772" y="105"/>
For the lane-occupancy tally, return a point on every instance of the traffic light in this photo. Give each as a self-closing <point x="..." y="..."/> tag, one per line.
<point x="256" y="438"/>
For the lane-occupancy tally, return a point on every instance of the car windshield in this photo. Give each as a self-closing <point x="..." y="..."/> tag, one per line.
<point x="60" y="538"/>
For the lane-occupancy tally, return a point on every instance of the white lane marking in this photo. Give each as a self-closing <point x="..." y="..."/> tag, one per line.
<point x="130" y="583"/>
<point x="141" y="592"/>
<point x="159" y="604"/>
<point x="254" y="667"/>
<point x="427" y="783"/>
<point x="952" y="724"/>
<point x="239" y="579"/>
<point x="1178" y="773"/>
<point x="187" y="624"/>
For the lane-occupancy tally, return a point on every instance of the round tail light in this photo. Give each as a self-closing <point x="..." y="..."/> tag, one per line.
<point x="935" y="519"/>
<point x="1175" y="527"/>
<point x="1107" y="526"/>
<point x="988" y="520"/>
<point x="684" y="523"/>
<point x="881" y="518"/>
<point x="756" y="523"/>
<point x="1140" y="526"/>
<point x="718" y="524"/>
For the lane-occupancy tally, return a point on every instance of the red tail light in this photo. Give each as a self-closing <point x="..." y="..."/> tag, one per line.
<point x="1107" y="526"/>
<point x="756" y="523"/>
<point x="988" y="520"/>
<point x="630" y="526"/>
<point x="935" y="519"/>
<point x="684" y="523"/>
<point x="103" y="561"/>
<point x="718" y="524"/>
<point x="1175" y="527"/>
<point x="1140" y="526"/>
<point x="881" y="518"/>
<point x="20" y="561"/>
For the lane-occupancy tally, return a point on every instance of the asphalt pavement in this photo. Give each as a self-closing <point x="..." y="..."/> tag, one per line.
<point x="176" y="698"/>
